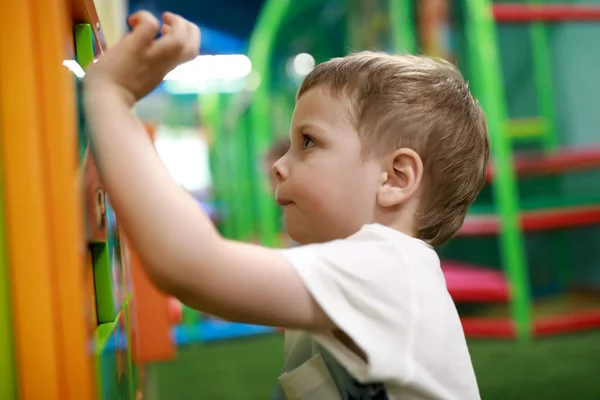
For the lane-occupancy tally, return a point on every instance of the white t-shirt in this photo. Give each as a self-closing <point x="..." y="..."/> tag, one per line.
<point x="386" y="291"/>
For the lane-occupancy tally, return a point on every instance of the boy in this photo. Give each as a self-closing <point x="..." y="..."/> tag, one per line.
<point x="387" y="153"/>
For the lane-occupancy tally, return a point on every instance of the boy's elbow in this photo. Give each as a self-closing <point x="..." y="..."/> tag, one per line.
<point x="162" y="275"/>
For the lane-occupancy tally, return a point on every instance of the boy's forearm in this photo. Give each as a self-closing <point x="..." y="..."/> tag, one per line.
<point x="161" y="220"/>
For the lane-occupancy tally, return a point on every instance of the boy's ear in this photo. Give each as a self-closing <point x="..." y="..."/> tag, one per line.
<point x="403" y="172"/>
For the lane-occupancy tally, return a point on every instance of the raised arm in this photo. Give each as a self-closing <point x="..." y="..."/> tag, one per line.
<point x="181" y="251"/>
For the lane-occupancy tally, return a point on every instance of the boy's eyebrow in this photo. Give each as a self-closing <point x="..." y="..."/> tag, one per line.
<point x="311" y="126"/>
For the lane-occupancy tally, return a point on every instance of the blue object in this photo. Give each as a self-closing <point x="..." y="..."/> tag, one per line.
<point x="207" y="331"/>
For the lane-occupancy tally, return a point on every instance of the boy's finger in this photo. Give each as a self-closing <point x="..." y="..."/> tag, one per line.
<point x="178" y="25"/>
<point x="145" y="25"/>
<point x="179" y="40"/>
<point x="171" y="18"/>
<point x="135" y="18"/>
<point x="165" y="30"/>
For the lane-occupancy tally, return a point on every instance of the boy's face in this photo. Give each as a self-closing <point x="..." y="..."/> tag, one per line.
<point x="327" y="189"/>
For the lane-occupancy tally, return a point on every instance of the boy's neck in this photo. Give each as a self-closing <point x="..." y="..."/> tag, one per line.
<point x="401" y="218"/>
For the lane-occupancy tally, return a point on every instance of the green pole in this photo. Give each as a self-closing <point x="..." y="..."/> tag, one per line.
<point x="544" y="86"/>
<point x="260" y="53"/>
<point x="544" y="82"/>
<point x="246" y="217"/>
<point x="226" y="154"/>
<point x="352" y="31"/>
<point x="209" y="104"/>
<point x="235" y="126"/>
<point x="403" y="26"/>
<point x="236" y="152"/>
<point x="481" y="29"/>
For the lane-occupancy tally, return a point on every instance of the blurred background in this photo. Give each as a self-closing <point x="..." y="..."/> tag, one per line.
<point x="524" y="269"/>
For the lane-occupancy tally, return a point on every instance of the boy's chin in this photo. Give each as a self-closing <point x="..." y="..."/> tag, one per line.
<point x="302" y="236"/>
<point x="299" y="238"/>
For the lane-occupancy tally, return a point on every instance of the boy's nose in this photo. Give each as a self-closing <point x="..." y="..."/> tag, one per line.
<point x="279" y="170"/>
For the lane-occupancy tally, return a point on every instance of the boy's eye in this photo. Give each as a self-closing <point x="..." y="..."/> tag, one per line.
<point x="308" y="142"/>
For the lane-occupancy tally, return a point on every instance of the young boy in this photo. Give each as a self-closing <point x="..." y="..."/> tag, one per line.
<point x="387" y="153"/>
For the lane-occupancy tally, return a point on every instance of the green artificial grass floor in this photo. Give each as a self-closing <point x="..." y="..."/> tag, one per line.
<point x="555" y="368"/>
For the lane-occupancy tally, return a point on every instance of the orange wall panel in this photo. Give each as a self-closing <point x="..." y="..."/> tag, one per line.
<point x="27" y="226"/>
<point x="56" y="94"/>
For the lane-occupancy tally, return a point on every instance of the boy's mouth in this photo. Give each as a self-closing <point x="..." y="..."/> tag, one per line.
<point x="283" y="202"/>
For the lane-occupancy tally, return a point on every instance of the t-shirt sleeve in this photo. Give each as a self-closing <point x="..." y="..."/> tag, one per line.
<point x="363" y="284"/>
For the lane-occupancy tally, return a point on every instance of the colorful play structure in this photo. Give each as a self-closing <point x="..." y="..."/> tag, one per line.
<point x="79" y="319"/>
<point x="70" y="325"/>
<point x="526" y="176"/>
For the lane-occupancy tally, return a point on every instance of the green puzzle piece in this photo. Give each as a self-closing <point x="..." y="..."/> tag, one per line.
<point x="108" y="274"/>
<point x="81" y="124"/>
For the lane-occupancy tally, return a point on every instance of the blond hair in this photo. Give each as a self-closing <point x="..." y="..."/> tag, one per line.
<point x="397" y="101"/>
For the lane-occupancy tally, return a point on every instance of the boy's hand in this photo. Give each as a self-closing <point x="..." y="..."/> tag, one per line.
<point x="140" y="61"/>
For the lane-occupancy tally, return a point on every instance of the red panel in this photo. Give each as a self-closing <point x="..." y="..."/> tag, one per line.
<point x="488" y="328"/>
<point x="175" y="310"/>
<point x="567" y="323"/>
<point x="534" y="220"/>
<point x="475" y="284"/>
<point x="556" y="163"/>
<point x="504" y="328"/>
<point x="549" y="12"/>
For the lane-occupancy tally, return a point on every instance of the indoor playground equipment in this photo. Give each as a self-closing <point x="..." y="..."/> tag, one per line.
<point x="70" y="327"/>
<point x="513" y="209"/>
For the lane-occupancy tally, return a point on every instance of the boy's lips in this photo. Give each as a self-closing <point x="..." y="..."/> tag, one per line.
<point x="283" y="202"/>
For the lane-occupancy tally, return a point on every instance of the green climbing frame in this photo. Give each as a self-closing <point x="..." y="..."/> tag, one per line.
<point x="485" y="68"/>
<point x="504" y="134"/>
<point x="511" y="199"/>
